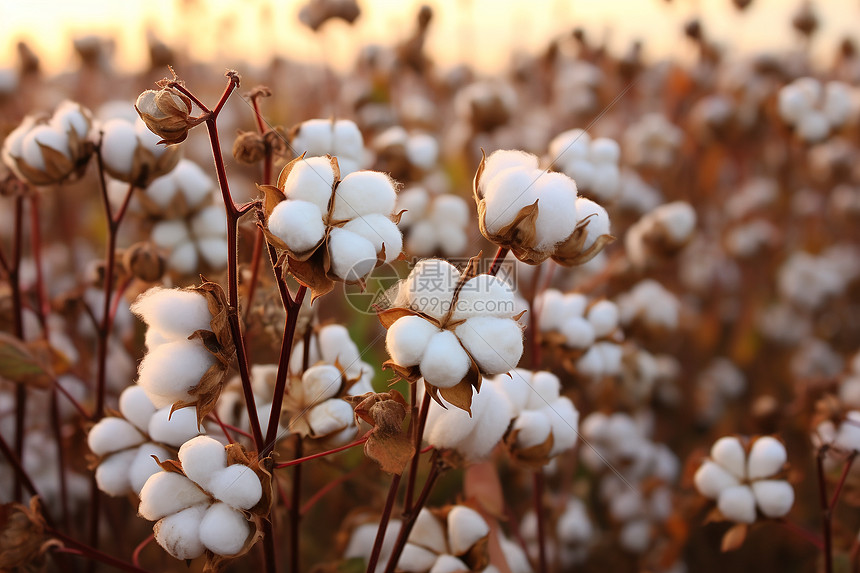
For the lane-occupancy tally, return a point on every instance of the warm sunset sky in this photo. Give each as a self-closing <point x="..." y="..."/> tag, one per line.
<point x="483" y="32"/>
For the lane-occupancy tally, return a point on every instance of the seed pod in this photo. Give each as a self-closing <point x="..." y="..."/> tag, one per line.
<point x="144" y="262"/>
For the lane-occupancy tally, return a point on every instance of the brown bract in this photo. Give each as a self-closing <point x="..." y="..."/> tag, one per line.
<point x="387" y="442"/>
<point x="23" y="542"/>
<point x="533" y="457"/>
<point x="59" y="167"/>
<point x="167" y="113"/>
<point x="520" y="234"/>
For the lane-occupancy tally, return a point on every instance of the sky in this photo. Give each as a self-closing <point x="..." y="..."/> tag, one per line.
<point x="479" y="32"/>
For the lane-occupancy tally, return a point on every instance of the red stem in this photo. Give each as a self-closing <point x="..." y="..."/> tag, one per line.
<point x="295" y="511"/>
<point x="298" y="461"/>
<point x="826" y="513"/>
<point x="417" y="437"/>
<point x="541" y="525"/>
<point x="18" y="310"/>
<point x="501" y="253"/>
<point x="214" y="415"/>
<point x="135" y="557"/>
<point x="383" y="522"/>
<point x="95" y="554"/>
<point x="315" y="498"/>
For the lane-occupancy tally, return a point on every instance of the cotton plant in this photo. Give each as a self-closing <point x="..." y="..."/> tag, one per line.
<point x="131" y="152"/>
<point x="451" y="329"/>
<point x="485" y="105"/>
<point x="813" y="110"/>
<point x="332" y="229"/>
<point x="536" y="213"/>
<point x="746" y="479"/>
<point x="199" y="241"/>
<point x="660" y="233"/>
<point x="433" y="223"/>
<point x="751" y="238"/>
<point x="339" y="138"/>
<point x="650" y="305"/>
<point x="575" y="533"/>
<point x="575" y="87"/>
<point x="808" y="281"/>
<point x="231" y="405"/>
<point x="717" y="385"/>
<point x="652" y="142"/>
<point x="47" y="150"/>
<point x="592" y="163"/>
<point x="332" y="344"/>
<point x="406" y="155"/>
<point x="544" y="422"/>
<point x="208" y="503"/>
<point x="126" y="443"/>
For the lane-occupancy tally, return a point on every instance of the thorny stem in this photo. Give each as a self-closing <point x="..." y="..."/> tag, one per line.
<point x="417" y="437"/>
<point x="383" y="522"/>
<point x="298" y="461"/>
<point x="541" y="525"/>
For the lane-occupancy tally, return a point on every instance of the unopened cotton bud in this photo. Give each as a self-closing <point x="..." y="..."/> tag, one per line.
<point x="144" y="262"/>
<point x="166" y="493"/>
<point x="737" y="504"/>
<point x="236" y="485"/>
<point x="223" y="530"/>
<point x="767" y="456"/>
<point x="249" y="147"/>
<point x="179" y="534"/>
<point x="201" y="458"/>
<point x="166" y="113"/>
<point x="407" y="339"/>
<point x="465" y="528"/>
<point x="730" y="454"/>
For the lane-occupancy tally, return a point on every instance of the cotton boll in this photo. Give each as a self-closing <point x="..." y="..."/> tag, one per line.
<point x="626" y="505"/>
<point x="501" y="160"/>
<point x="379" y="230"/>
<point x="604" y="150"/>
<point x="516" y="388"/>
<point x="572" y="305"/>
<point x="179" y="534"/>
<point x="837" y="103"/>
<point x="407" y="339"/>
<point x="429" y="288"/>
<point x="444" y="363"/>
<point x="545" y="390"/>
<point x="315" y="137"/>
<point x="484" y="295"/>
<point x="598" y="220"/>
<point x="465" y="528"/>
<point x="184" y="258"/>
<point x="70" y="115"/>
<point x="173" y="312"/>
<point x="495" y="344"/>
<point x="113" y="434"/>
<point x="237" y="486"/>
<point x="169" y="234"/>
<point x="604" y="317"/>
<point x="223" y="530"/>
<point x="516" y="558"/>
<point x="347" y="139"/>
<point x="564" y="419"/>
<point x="581" y="171"/>
<point x="143" y="466"/>
<point x="591" y="363"/>
<point x="415" y="559"/>
<point x="363" y="193"/>
<point x="335" y="344"/>
<point x="848" y="437"/>
<point x="320" y="382"/>
<point x="711" y="479"/>
<point x="201" y="458"/>
<point x="606" y="181"/>
<point x="448" y="564"/>
<point x="112" y="474"/>
<point x="330" y="416"/>
<point x="578" y="332"/>
<point x="176" y="429"/>
<point x="166" y="493"/>
<point x="42" y="135"/>
<point x="136" y="407"/>
<point x="448" y="428"/>
<point x="423" y="239"/>
<point x="118" y="145"/>
<point x="214" y="251"/>
<point x="533" y="427"/>
<point x="679" y="219"/>
<point x="730" y="454"/>
<point x="569" y="146"/>
<point x="610" y="356"/>
<point x="506" y="194"/>
<point x="297" y="223"/>
<point x="415" y="201"/>
<point x="422" y="151"/>
<point x="792" y="103"/>
<point x="452" y="240"/>
<point x="493" y="415"/>
<point x="169" y="371"/>
<point x="352" y="257"/>
<point x="767" y="456"/>
<point x="774" y="497"/>
<point x="361" y="541"/>
<point x="635" y="536"/>
<point x="428" y="532"/>
<point x="209" y="221"/>
<point x="549" y="306"/>
<point x="813" y="126"/>
<point x="193" y="182"/>
<point x="311" y="179"/>
<point x="556" y="218"/>
<point x="737" y="504"/>
<point x="451" y="210"/>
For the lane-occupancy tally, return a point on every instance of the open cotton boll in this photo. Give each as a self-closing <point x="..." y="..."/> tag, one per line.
<point x="626" y="505"/>
<point x="484" y="295"/>
<point x="679" y="219"/>
<point x="363" y="193"/>
<point x="314" y="137"/>
<point x="201" y="458"/>
<point x="352" y="256"/>
<point x="422" y="150"/>
<point x="730" y="454"/>
<point x="533" y="427"/>
<point x="577" y="332"/>
<point x="335" y="344"/>
<point x="465" y="528"/>
<point x="209" y="221"/>
<point x="112" y="475"/>
<point x="598" y="220"/>
<point x="118" y="145"/>
<point x="444" y="363"/>
<point x="142" y="467"/>
<point x="813" y="126"/>
<point x="169" y="234"/>
<point x="502" y="160"/>
<point x="448" y="564"/>
<point x="635" y="536"/>
<point x="311" y="179"/>
<point x="330" y="416"/>
<point x="223" y="530"/>
<point x="299" y="224"/>
<point x="428" y="532"/>
<point x="415" y="559"/>
<point x="193" y="182"/>
<point x="573" y="305"/>
<point x="236" y="485"/>
<point x="42" y="135"/>
<point x="184" y="258"/>
<point x="136" y="407"/>
<point x="603" y="316"/>
<point x="113" y="434"/>
<point x="450" y="209"/>
<point x="452" y="240"/>
<point x="545" y="389"/>
<point x="581" y="171"/>
<point x="407" y="339"/>
<point x="175" y="429"/>
<point x="774" y="497"/>
<point x="320" y="382"/>
<point x="363" y="536"/>
<point x="171" y="370"/>
<point x="214" y="251"/>
<point x="492" y="415"/>
<point x="166" y="493"/>
<point x="179" y="534"/>
<point x="564" y="419"/>
<point x="767" y="456"/>
<point x="848" y="436"/>
<point x="792" y="103"/>
<point x="737" y="504"/>
<point x="70" y="115"/>
<point x="379" y="230"/>
<point x="515" y="556"/>
<point x="550" y="304"/>
<point x="429" y="288"/>
<point x="569" y="146"/>
<point x="415" y="201"/>
<point x="174" y="313"/>
<point x="448" y="428"/>
<point x="604" y="150"/>
<point x="837" y="102"/>
<point x="347" y="139"/>
<point x="495" y="344"/>
<point x="605" y="181"/>
<point x="515" y="388"/>
<point x="506" y="194"/>
<point x="711" y="479"/>
<point x="556" y="218"/>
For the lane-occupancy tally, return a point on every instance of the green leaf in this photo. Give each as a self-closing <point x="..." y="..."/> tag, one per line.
<point x="18" y="363"/>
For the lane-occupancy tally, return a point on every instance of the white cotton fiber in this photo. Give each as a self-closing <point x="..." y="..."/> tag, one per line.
<point x="320" y="382"/>
<point x="577" y="332"/>
<point x="493" y="414"/>
<point x="379" y="230"/>
<point x="136" y="407"/>
<point x="352" y="257"/>
<point x="39" y="136"/>
<point x="330" y="416"/>
<point x="533" y="427"/>
<point x="679" y="219"/>
<point x="184" y="258"/>
<point x="573" y="304"/>
<point x="166" y="493"/>
<point x="169" y="371"/>
<point x="545" y="389"/>
<point x="813" y="126"/>
<point x="730" y="454"/>
<point x="582" y="172"/>
<point x="767" y="456"/>
<point x="297" y="223"/>
<point x="415" y="559"/>
<point x="407" y="339"/>
<point x="506" y="194"/>
<point x="428" y="532"/>
<point x="176" y="429"/>
<point x="447" y="428"/>
<point x="635" y="536"/>
<point x="452" y="241"/>
<point x="112" y="475"/>
<point x="496" y="344"/>
<point x="516" y="388"/>
<point x="484" y="295"/>
<point x="69" y="115"/>
<point x="224" y="530"/>
<point x="556" y="219"/>
<point x="113" y="434"/>
<point x="465" y="528"/>
<point x="737" y="504"/>
<point x="179" y="534"/>
<point x="118" y="145"/>
<point x="604" y="150"/>
<point x="444" y="363"/>
<point x="314" y="137"/>
<point x="569" y="146"/>
<point x="415" y="201"/>
<point x="209" y="221"/>
<point x="335" y="344"/>
<point x="711" y="479"/>
<point x="423" y="239"/>
<point x="168" y="234"/>
<point x="193" y="182"/>
<point x="774" y="497"/>
<point x="311" y="179"/>
<point x="174" y="313"/>
<point x="603" y="316"/>
<point x="347" y="139"/>
<point x="422" y="151"/>
<point x="448" y="564"/>
<point x="549" y="306"/>
<point x="598" y="220"/>
<point x="501" y="160"/>
<point x="214" y="251"/>
<point x="237" y="486"/>
<point x="429" y="288"/>
<point x="201" y="457"/>
<point x="564" y="419"/>
<point x="451" y="210"/>
<point x="162" y="190"/>
<point x="363" y="193"/>
<point x="143" y="466"/>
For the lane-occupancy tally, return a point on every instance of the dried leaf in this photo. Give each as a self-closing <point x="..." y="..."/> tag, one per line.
<point x="390" y="316"/>
<point x="734" y="537"/>
<point x="312" y="273"/>
<point x="271" y="197"/>
<point x="387" y="443"/>
<point x="22" y="535"/>
<point x="19" y="364"/>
